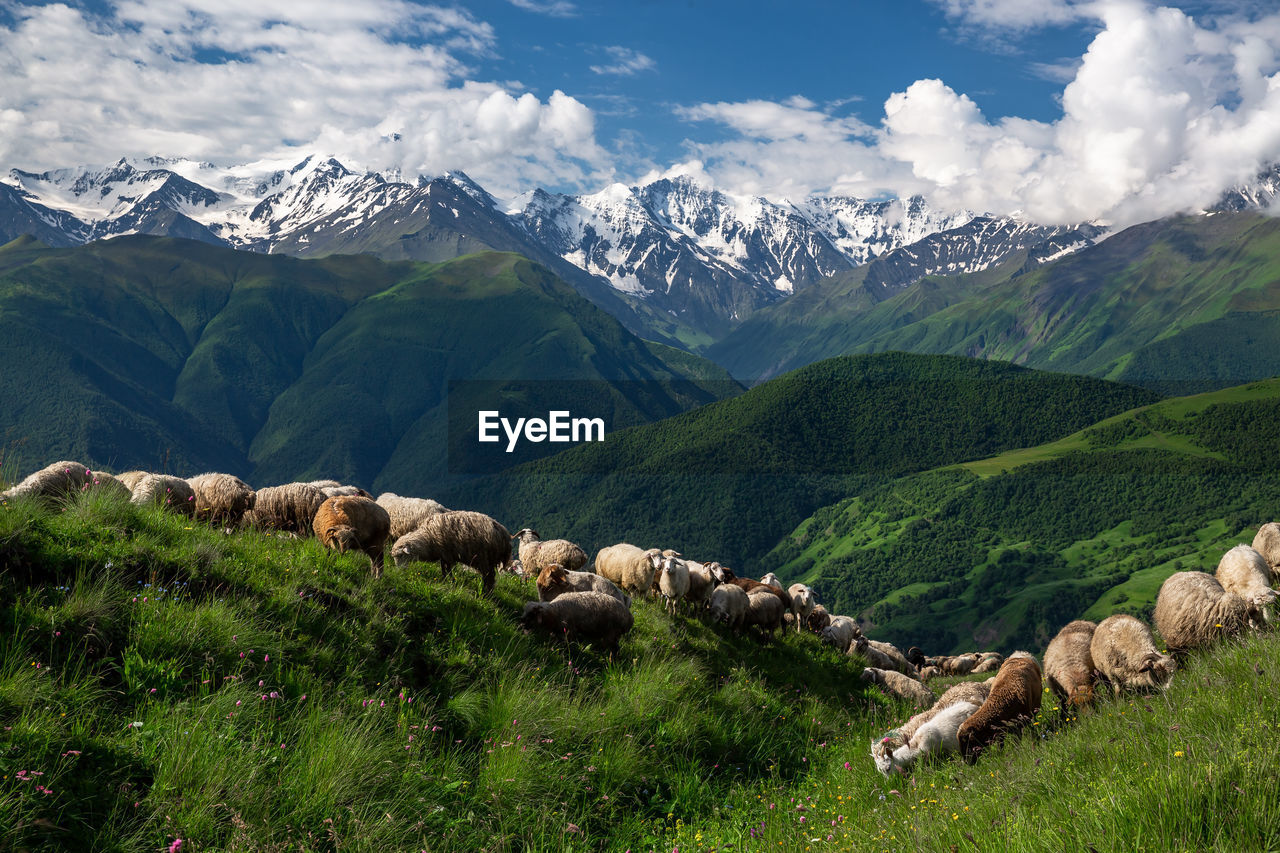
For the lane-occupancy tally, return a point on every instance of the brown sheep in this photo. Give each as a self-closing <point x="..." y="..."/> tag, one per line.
<point x="291" y="508"/>
<point x="748" y="585"/>
<point x="897" y="684"/>
<point x="458" y="536"/>
<point x="407" y="513"/>
<point x="222" y="498"/>
<point x="1014" y="701"/>
<point x="63" y="479"/>
<point x="819" y="618"/>
<point x="1125" y="654"/>
<point x="1245" y="572"/>
<point x="353" y="523"/>
<point x="629" y="567"/>
<point x="536" y="555"/>
<point x="582" y="616"/>
<point x="1267" y="543"/>
<point x="1068" y="664"/>
<point x="555" y="581"/>
<point x="173" y="493"/>
<point x="1193" y="610"/>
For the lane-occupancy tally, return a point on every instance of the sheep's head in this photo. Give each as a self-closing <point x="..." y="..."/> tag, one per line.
<point x="655" y="558"/>
<point x="1262" y="607"/>
<point x="870" y="674"/>
<point x="535" y="614"/>
<point x="553" y="578"/>
<point x="1159" y="669"/>
<point x="342" y="539"/>
<point x="526" y="535"/>
<point x="1081" y="696"/>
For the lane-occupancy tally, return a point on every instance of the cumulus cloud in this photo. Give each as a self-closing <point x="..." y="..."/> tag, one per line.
<point x="380" y="82"/>
<point x="1161" y="115"/>
<point x="625" y="62"/>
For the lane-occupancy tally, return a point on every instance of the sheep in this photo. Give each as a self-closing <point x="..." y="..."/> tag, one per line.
<point x="990" y="662"/>
<point x="594" y="617"/>
<point x="458" y="536"/>
<point x="960" y="664"/>
<point x="772" y="580"/>
<point x="291" y="508"/>
<point x="555" y="581"/>
<point x="729" y="605"/>
<point x="764" y="611"/>
<point x="334" y="489"/>
<point x="1069" y="666"/>
<point x="1267" y="543"/>
<point x="903" y="686"/>
<point x="63" y="479"/>
<point x="883" y="656"/>
<point x="173" y="493"/>
<point x="884" y="748"/>
<point x="130" y="479"/>
<point x="324" y="484"/>
<point x="748" y="585"/>
<point x="701" y="582"/>
<point x="928" y="672"/>
<point x="818" y="619"/>
<point x="407" y="513"/>
<point x="841" y="633"/>
<point x="917" y="657"/>
<point x="1193" y="610"/>
<point x="1245" y="572"/>
<point x="802" y="603"/>
<point x="353" y="523"/>
<point x="1014" y="700"/>
<point x="1124" y="653"/>
<point x="222" y="498"/>
<point x="673" y="582"/>
<point x="536" y="555"/>
<point x="629" y="567"/>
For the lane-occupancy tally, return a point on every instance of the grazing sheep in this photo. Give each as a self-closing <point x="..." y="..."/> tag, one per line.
<point x="1193" y="610"/>
<point x="802" y="603"/>
<point x="990" y="662"/>
<point x="748" y="585"/>
<point x="928" y="672"/>
<point x="966" y="692"/>
<point x="517" y="568"/>
<point x="916" y="657"/>
<point x="1125" y="654"/>
<point x="353" y="523"/>
<point x="345" y="492"/>
<point x="62" y="480"/>
<point x="673" y="582"/>
<point x="1014" y="700"/>
<point x="764" y="611"/>
<point x="1245" y="572"/>
<point x="290" y="508"/>
<point x="555" y="581"/>
<point x="173" y="493"/>
<point x="1068" y="664"/>
<point x="729" y="605"/>
<point x="882" y="655"/>
<point x="960" y="664"/>
<point x="458" y="536"/>
<point x="130" y="479"/>
<point x="1267" y="543"/>
<point x="222" y="498"/>
<point x="897" y="684"/>
<point x="701" y="582"/>
<point x="594" y="617"/>
<point x="841" y="633"/>
<point x="629" y="567"/>
<point x="939" y="736"/>
<point x="536" y="555"/>
<point x="818" y="619"/>
<point x="407" y="513"/>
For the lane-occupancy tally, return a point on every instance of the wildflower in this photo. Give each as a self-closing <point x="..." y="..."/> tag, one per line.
<point x="175" y="846"/>
<point x="1178" y="754"/>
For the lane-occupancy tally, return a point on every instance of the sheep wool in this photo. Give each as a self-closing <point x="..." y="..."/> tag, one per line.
<point x="130" y="479"/>
<point x="966" y="692"/>
<point x="63" y="479"/>
<point x="1267" y="543"/>
<point x="173" y="493"/>
<point x="555" y="581"/>
<point x="673" y="582"/>
<point x="764" y="611"/>
<point x="353" y="523"/>
<point x="1244" y="571"/>
<point x="902" y="686"/>
<point x="458" y="536"/>
<point x="536" y="554"/>
<point x="580" y="616"/>
<point x="1124" y="651"/>
<point x="729" y="605"/>
<point x="290" y="508"/>
<point x="1014" y="700"/>
<point x="407" y="513"/>
<point x="1193" y="610"/>
<point x="629" y="567"/>
<point x="1068" y="664"/>
<point x="802" y="603"/>
<point x="222" y="498"/>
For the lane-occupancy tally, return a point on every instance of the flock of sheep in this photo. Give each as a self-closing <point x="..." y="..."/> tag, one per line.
<point x="1193" y="609"/>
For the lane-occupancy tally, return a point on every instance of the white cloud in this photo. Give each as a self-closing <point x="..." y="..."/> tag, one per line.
<point x="625" y="62"/>
<point x="1012" y="14"/>
<point x="1161" y="115"/>
<point x="245" y="79"/>
<point x="554" y="8"/>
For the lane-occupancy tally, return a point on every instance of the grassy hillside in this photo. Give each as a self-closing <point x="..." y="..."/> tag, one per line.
<point x="1183" y="304"/>
<point x="168" y="354"/>
<point x="1002" y="551"/>
<point x="160" y="681"/>
<point x="728" y="480"/>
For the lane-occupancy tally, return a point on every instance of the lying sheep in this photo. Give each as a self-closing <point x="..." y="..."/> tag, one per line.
<point x="1193" y="610"/>
<point x="764" y="611"/>
<point x="458" y="536"/>
<point x="729" y="605"/>
<point x="673" y="582"/>
<point x="555" y="581"/>
<point x="897" y="684"/>
<point x="290" y="508"/>
<point x="990" y="662"/>
<point x="1014" y="701"/>
<point x="884" y="749"/>
<point x="1245" y="572"/>
<point x="173" y="493"/>
<point x="353" y="523"/>
<point x="818" y="619"/>
<point x="222" y="498"/>
<point x="1069" y="666"/>
<point x="407" y="514"/>
<point x="63" y="479"/>
<point x="629" y="567"/>
<point x="841" y="632"/>
<point x="1267" y="543"/>
<point x="1125" y="654"/>
<point x="882" y="656"/>
<point x="802" y="603"/>
<point x="593" y="617"/>
<point x="536" y="555"/>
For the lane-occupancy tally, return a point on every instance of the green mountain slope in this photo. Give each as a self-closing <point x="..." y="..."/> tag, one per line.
<point x="161" y="353"/>
<point x="726" y="481"/>
<point x="1001" y="552"/>
<point x="1185" y="303"/>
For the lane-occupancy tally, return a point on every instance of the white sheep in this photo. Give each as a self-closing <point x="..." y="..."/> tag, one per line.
<point x="407" y="514"/>
<point x="701" y="582"/>
<point x="222" y="498"/>
<point x="63" y="479"/>
<point x="1267" y="543"/>
<point x="673" y="582"/>
<point x="802" y="604"/>
<point x="764" y="610"/>
<point x="1245" y="572"/>
<point x="458" y="536"/>
<point x="629" y="567"/>
<point x="1193" y="610"/>
<point x="939" y="736"/>
<point x="555" y="581"/>
<point x="841" y="633"/>
<point x="1125" y="654"/>
<point x="897" y="684"/>
<point x="729" y="605"/>
<point x="173" y="493"/>
<point x="536" y="554"/>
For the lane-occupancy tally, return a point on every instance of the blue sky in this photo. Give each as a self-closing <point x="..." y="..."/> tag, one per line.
<point x="1063" y="110"/>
